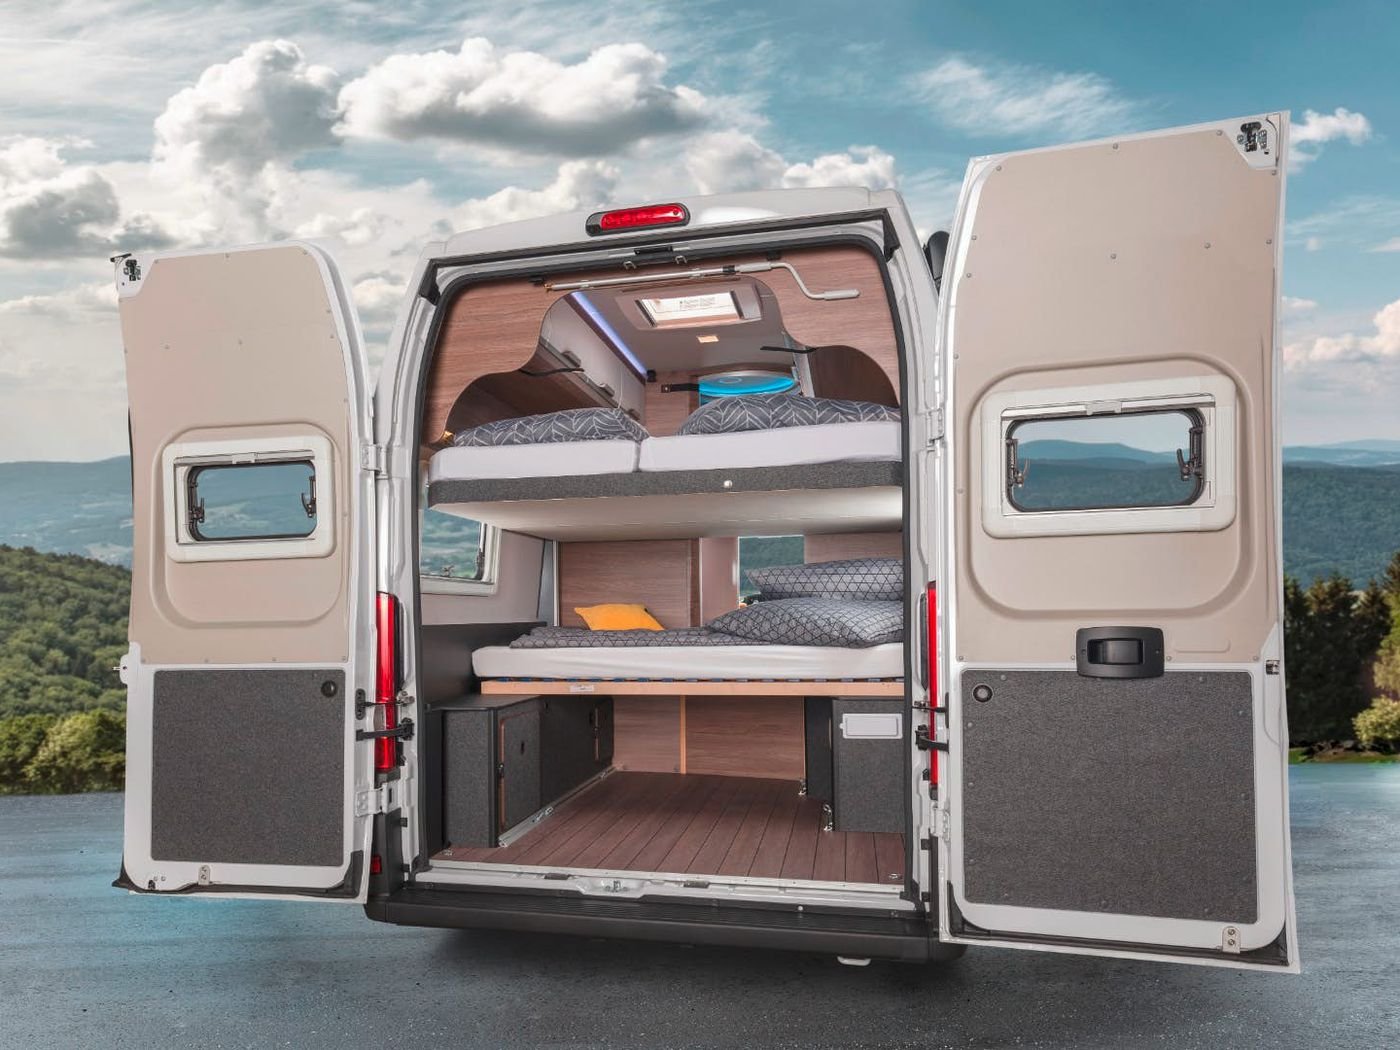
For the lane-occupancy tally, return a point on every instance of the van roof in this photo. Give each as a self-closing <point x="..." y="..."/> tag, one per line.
<point x="569" y="228"/>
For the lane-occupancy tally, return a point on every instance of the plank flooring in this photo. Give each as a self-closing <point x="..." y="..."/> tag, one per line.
<point x="698" y="824"/>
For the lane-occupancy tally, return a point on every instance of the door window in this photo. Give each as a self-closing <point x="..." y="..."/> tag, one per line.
<point x="1143" y="459"/>
<point x="252" y="501"/>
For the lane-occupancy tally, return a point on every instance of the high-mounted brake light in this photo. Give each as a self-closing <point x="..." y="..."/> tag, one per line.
<point x="637" y="218"/>
<point x="386" y="678"/>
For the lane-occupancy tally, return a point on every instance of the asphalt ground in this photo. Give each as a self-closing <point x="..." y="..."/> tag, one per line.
<point x="82" y="964"/>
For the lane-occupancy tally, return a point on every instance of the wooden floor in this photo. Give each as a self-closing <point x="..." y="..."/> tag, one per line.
<point x="699" y="825"/>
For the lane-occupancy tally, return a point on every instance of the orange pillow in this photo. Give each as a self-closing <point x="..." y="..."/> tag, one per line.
<point x="618" y="618"/>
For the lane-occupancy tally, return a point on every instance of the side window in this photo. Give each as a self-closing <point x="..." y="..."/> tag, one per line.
<point x="247" y="499"/>
<point x="1144" y="456"/>
<point x="254" y="501"/>
<point x="1141" y="459"/>
<point x="759" y="552"/>
<point x="454" y="553"/>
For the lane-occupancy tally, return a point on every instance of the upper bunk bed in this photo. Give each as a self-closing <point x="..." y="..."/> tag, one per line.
<point x="660" y="350"/>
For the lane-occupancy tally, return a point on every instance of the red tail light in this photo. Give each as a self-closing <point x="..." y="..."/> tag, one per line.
<point x="386" y="678"/>
<point x="637" y="218"/>
<point x="931" y="616"/>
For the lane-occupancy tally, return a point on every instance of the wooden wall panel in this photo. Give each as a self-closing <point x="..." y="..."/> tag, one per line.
<point x="647" y="734"/>
<point x="656" y="573"/>
<point x="495" y="327"/>
<point x="745" y="736"/>
<point x="839" y="546"/>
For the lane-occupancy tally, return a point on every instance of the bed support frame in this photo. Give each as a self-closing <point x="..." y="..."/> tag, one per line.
<point x="880" y="687"/>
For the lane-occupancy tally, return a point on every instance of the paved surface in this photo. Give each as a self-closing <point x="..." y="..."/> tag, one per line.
<point x="84" y="965"/>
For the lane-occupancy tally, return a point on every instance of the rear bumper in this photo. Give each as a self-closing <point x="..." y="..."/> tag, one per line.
<point x="879" y="936"/>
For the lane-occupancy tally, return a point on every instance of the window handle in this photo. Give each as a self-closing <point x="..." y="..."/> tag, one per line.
<point x="1016" y="469"/>
<point x="1192" y="465"/>
<point x="308" y="504"/>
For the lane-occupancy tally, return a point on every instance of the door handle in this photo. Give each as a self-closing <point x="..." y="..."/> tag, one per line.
<point x="1120" y="652"/>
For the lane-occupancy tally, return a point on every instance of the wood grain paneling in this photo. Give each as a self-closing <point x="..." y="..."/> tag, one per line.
<point x="838" y="546"/>
<point x="697" y="825"/>
<point x="843" y="371"/>
<point x="655" y="573"/>
<point x="745" y="736"/>
<point x="495" y="328"/>
<point x="647" y="733"/>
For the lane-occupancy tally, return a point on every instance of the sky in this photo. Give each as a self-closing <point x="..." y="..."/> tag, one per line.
<point x="372" y="128"/>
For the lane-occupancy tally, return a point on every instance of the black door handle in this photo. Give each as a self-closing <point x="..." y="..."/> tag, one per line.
<point x="1120" y="652"/>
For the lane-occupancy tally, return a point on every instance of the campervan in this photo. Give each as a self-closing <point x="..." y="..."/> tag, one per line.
<point x="747" y="569"/>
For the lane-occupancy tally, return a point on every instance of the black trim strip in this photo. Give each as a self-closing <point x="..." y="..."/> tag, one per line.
<point x="878" y="934"/>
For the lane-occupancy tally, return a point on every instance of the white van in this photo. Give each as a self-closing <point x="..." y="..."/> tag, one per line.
<point x="467" y="648"/>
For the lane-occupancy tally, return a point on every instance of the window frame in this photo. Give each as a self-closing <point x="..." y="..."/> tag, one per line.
<point x="489" y="581"/>
<point x="1211" y="398"/>
<point x="180" y="459"/>
<point x="1193" y="417"/>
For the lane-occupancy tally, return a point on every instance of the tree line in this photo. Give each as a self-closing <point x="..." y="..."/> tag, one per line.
<point x="63" y="630"/>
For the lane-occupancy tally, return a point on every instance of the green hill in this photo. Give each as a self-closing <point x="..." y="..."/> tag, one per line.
<point x="62" y="630"/>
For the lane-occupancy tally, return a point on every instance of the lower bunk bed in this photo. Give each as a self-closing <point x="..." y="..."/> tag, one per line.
<point x="678" y="754"/>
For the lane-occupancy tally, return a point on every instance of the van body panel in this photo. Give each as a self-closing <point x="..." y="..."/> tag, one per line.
<point x="253" y="533"/>
<point x="1093" y="802"/>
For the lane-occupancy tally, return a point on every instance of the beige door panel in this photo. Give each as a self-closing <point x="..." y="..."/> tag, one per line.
<point x="1167" y="270"/>
<point x="226" y="347"/>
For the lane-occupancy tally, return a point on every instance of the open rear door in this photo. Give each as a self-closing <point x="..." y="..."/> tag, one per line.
<point x="251" y="575"/>
<point x="1111" y="641"/>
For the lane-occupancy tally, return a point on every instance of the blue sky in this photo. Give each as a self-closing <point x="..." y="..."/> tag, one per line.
<point x="374" y="127"/>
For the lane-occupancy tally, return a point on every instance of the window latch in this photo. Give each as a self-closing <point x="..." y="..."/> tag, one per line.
<point x="1192" y="465"/>
<point x="1016" y="469"/>
<point x="194" y="503"/>
<point x="308" y="502"/>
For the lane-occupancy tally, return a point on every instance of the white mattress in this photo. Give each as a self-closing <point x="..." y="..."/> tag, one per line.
<point x="726" y="662"/>
<point x="781" y="447"/>
<point x="550" y="460"/>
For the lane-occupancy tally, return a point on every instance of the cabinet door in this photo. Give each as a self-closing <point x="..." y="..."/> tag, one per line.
<point x="519" y="765"/>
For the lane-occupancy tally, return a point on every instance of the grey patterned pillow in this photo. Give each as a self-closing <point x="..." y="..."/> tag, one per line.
<point x="868" y="579"/>
<point x="573" y="424"/>
<point x="729" y="415"/>
<point x="816" y="621"/>
<point x="583" y="638"/>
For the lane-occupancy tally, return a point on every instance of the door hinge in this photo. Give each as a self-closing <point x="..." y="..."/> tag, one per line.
<point x="385" y="798"/>
<point x="1230" y="940"/>
<point x="935" y="425"/>
<point x="402" y="731"/>
<point x="375" y="458"/>
<point x="926" y="743"/>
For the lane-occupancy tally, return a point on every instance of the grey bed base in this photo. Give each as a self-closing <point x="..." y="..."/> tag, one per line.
<point x="843" y="474"/>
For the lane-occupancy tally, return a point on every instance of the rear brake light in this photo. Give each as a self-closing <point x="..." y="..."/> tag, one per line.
<point x="637" y="218"/>
<point x="931" y="616"/>
<point x="386" y="678"/>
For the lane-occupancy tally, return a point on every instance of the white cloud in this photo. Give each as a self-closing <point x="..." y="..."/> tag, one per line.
<point x="1294" y="306"/>
<point x="1392" y="245"/>
<point x="1350" y="348"/>
<point x="50" y="209"/>
<point x="580" y="184"/>
<point x="867" y="166"/>
<point x="97" y="297"/>
<point x="733" y="161"/>
<point x="1315" y="129"/>
<point x="266" y="104"/>
<point x="521" y="101"/>
<point x="1016" y="100"/>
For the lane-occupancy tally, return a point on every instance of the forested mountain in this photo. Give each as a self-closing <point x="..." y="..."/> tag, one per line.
<point x="1336" y="517"/>
<point x="62" y="630"/>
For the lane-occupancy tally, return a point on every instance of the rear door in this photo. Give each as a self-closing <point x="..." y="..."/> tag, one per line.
<point x="251" y="575"/>
<point x="1111" y="639"/>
